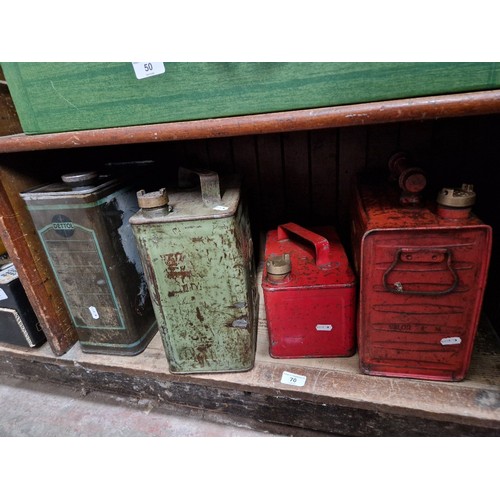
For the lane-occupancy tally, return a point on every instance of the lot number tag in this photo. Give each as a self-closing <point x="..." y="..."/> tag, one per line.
<point x="293" y="379"/>
<point x="147" y="69"/>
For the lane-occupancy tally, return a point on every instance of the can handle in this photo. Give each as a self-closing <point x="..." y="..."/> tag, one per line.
<point x="320" y="243"/>
<point x="431" y="255"/>
<point x="209" y="183"/>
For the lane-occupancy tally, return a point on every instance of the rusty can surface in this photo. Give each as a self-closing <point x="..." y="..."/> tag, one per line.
<point x="83" y="225"/>
<point x="197" y="253"/>
<point x="309" y="293"/>
<point x="422" y="279"/>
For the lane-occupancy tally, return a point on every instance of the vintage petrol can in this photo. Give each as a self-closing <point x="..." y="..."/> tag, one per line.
<point x="309" y="293"/>
<point x="197" y="252"/>
<point x="83" y="226"/>
<point x="18" y="322"/>
<point x="422" y="270"/>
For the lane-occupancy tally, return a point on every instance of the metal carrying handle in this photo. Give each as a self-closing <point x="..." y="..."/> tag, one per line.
<point x="209" y="183"/>
<point x="430" y="255"/>
<point x="320" y="243"/>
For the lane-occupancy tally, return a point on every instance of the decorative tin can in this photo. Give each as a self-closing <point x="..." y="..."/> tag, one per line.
<point x="309" y="293"/>
<point x="18" y="322"/>
<point x="197" y="253"/>
<point x="423" y="271"/>
<point x="83" y="226"/>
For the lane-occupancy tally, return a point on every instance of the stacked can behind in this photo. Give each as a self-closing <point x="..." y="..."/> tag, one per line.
<point x="309" y="293"/>
<point x="423" y="270"/>
<point x="83" y="225"/>
<point x="18" y="322"/>
<point x="197" y="253"/>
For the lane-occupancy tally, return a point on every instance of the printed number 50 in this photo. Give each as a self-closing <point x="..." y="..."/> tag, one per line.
<point x="148" y="67"/>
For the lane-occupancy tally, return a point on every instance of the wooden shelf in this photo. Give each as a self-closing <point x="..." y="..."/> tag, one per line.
<point x="421" y="108"/>
<point x="335" y="400"/>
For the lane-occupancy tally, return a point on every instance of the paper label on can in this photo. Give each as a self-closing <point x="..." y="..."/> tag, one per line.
<point x="3" y="295"/>
<point x="324" y="328"/>
<point x="8" y="274"/>
<point x="147" y="69"/>
<point x="293" y="379"/>
<point x="451" y="341"/>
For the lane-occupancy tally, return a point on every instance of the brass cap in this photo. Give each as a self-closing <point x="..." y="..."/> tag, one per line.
<point x="278" y="266"/>
<point x="463" y="197"/>
<point x="154" y="199"/>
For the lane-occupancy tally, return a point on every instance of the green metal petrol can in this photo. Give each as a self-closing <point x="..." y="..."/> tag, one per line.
<point x="197" y="253"/>
<point x="83" y="225"/>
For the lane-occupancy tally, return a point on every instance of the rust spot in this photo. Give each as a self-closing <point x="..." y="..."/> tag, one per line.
<point x="202" y="354"/>
<point x="150" y="276"/>
<point x="175" y="267"/>
<point x="199" y="315"/>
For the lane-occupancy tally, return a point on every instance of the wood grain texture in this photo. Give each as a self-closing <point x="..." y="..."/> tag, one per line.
<point x="423" y="108"/>
<point x="25" y="250"/>
<point x="9" y="121"/>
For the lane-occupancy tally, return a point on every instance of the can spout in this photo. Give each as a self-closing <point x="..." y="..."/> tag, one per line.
<point x="278" y="268"/>
<point x="411" y="179"/>
<point x="456" y="203"/>
<point x="153" y="199"/>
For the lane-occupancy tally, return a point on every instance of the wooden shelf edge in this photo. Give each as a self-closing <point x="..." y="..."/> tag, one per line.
<point x="248" y="395"/>
<point x="410" y="109"/>
<point x="24" y="248"/>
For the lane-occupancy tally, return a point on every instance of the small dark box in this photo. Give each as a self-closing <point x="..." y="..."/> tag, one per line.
<point x="18" y="322"/>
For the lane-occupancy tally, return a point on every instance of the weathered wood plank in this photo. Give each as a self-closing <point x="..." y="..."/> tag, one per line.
<point x="271" y="175"/>
<point x="352" y="160"/>
<point x="422" y="108"/>
<point x="382" y="142"/>
<point x="25" y="250"/>
<point x="297" y="182"/>
<point x="324" y="176"/>
<point x="9" y="121"/>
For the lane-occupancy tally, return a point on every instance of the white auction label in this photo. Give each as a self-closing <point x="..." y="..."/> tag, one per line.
<point x="147" y="69"/>
<point x="94" y="312"/>
<point x="8" y="274"/>
<point x="324" y="328"/>
<point x="3" y="295"/>
<point x="451" y="341"/>
<point x="293" y="379"/>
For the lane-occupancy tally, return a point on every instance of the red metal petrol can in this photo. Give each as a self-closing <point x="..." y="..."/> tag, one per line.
<point x="309" y="293"/>
<point x="422" y="274"/>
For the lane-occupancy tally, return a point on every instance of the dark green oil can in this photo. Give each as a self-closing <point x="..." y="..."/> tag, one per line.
<point x="83" y="225"/>
<point x="197" y="253"/>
